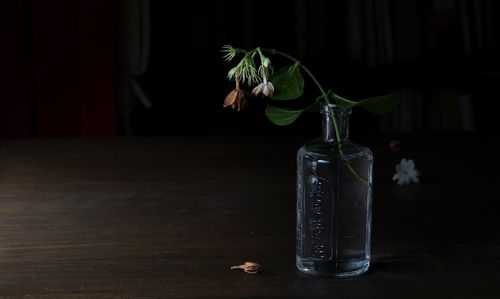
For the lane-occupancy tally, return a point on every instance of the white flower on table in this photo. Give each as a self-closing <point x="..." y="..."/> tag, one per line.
<point x="406" y="172"/>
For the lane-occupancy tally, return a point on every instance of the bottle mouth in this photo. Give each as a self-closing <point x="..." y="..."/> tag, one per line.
<point x="325" y="109"/>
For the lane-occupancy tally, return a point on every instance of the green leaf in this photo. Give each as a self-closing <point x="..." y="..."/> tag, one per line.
<point x="281" y="116"/>
<point x="379" y="105"/>
<point x="343" y="103"/>
<point x="288" y="82"/>
<point x="314" y="107"/>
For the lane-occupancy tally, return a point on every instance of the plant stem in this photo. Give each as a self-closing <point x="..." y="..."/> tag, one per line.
<point x="332" y="111"/>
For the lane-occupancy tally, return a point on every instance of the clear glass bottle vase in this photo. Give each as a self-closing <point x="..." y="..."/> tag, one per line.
<point x="333" y="205"/>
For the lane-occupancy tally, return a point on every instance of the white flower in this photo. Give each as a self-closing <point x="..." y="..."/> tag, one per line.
<point x="266" y="88"/>
<point x="406" y="172"/>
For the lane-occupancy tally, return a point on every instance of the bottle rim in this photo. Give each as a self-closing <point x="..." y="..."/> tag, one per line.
<point x="325" y="108"/>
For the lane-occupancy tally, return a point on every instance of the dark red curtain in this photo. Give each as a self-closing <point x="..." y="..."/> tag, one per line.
<point x="58" y="69"/>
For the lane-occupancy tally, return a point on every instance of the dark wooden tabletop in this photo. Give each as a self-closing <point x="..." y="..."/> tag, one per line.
<point x="166" y="218"/>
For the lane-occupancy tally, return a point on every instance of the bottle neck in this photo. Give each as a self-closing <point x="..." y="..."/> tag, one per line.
<point x="329" y="134"/>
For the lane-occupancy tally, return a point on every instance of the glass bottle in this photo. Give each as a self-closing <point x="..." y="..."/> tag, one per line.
<point x="333" y="205"/>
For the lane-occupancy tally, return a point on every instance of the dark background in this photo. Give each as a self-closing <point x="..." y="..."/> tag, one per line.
<point x="79" y="68"/>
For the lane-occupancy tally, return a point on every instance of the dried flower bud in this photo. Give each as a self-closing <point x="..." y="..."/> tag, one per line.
<point x="248" y="267"/>
<point x="237" y="98"/>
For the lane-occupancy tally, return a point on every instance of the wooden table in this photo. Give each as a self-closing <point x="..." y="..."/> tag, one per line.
<point x="166" y="218"/>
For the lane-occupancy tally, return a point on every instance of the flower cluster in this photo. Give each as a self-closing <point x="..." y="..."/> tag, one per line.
<point x="255" y="70"/>
<point x="246" y="72"/>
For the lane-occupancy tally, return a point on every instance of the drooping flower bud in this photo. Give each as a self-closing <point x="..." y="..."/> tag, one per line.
<point x="237" y="98"/>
